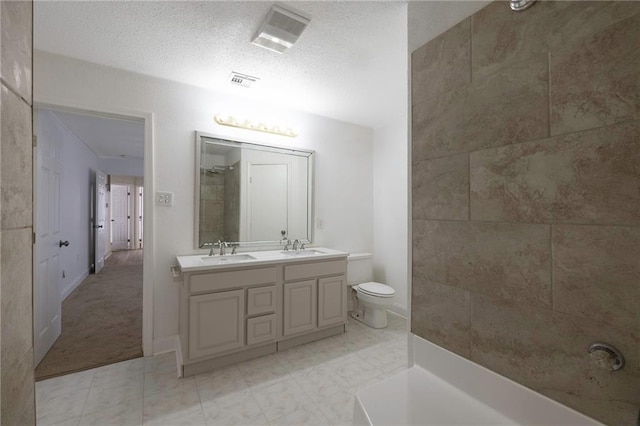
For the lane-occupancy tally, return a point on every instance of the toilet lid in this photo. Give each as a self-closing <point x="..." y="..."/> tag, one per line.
<point x="377" y="289"/>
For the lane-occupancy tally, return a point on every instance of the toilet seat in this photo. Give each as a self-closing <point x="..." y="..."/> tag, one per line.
<point x="376" y="289"/>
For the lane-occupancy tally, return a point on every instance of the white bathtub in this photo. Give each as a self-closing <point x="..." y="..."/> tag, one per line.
<point x="442" y="388"/>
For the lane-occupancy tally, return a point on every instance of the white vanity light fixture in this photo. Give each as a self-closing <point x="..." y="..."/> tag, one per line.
<point x="281" y="28"/>
<point x="260" y="126"/>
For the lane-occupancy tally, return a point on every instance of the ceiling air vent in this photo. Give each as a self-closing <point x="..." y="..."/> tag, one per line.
<point x="243" y="80"/>
<point x="280" y="29"/>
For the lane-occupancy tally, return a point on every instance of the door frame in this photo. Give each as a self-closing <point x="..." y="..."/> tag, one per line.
<point x="148" y="211"/>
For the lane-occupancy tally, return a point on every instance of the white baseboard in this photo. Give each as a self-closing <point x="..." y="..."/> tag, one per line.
<point x="69" y="289"/>
<point x="164" y="344"/>
<point x="399" y="309"/>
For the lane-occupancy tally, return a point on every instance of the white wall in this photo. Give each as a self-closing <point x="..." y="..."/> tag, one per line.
<point x="390" y="205"/>
<point x="75" y="202"/>
<point x="343" y="169"/>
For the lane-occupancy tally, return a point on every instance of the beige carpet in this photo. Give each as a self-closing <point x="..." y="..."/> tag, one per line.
<point x="101" y="319"/>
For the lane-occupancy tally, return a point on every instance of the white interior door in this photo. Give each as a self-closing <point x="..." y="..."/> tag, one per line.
<point x="268" y="201"/>
<point x="120" y="217"/>
<point x="100" y="197"/>
<point x="47" y="303"/>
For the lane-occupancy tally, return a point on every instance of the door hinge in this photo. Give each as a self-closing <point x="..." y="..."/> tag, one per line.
<point x="128" y="193"/>
<point x="35" y="140"/>
<point x="128" y="217"/>
<point x="129" y="240"/>
<point x="33" y="237"/>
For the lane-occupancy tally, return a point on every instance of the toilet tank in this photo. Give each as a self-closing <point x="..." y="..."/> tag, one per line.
<point x="359" y="268"/>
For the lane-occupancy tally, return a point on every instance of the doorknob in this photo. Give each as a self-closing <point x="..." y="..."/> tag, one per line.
<point x="98" y="226"/>
<point x="64" y="243"/>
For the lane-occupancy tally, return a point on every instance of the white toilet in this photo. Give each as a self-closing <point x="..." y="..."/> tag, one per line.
<point x="372" y="298"/>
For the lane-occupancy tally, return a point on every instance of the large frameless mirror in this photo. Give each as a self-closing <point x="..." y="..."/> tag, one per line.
<point x="250" y="194"/>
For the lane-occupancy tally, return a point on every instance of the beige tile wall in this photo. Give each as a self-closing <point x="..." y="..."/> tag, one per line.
<point x="16" y="170"/>
<point x="526" y="197"/>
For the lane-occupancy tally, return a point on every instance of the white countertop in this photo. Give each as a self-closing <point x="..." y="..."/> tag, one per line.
<point x="202" y="262"/>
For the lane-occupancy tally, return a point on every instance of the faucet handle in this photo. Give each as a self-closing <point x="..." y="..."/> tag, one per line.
<point x="302" y="246"/>
<point x="233" y="250"/>
<point x="287" y="244"/>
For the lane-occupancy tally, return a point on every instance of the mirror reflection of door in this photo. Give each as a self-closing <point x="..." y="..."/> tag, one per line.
<point x="268" y="201"/>
<point x="120" y="237"/>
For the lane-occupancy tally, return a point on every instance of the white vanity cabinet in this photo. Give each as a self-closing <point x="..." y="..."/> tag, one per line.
<point x="238" y="312"/>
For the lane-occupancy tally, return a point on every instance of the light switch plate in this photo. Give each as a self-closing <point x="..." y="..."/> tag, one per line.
<point x="164" y="198"/>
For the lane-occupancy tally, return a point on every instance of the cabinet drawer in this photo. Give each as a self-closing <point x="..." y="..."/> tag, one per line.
<point x="261" y="300"/>
<point x="312" y="270"/>
<point x="229" y="279"/>
<point x="261" y="329"/>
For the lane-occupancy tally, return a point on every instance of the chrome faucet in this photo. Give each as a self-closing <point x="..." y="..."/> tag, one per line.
<point x="295" y="244"/>
<point x="222" y="245"/>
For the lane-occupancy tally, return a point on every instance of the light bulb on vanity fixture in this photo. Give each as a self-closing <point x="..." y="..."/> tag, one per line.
<point x="259" y="126"/>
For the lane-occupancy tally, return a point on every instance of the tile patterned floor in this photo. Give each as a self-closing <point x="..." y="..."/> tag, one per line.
<point x="312" y="384"/>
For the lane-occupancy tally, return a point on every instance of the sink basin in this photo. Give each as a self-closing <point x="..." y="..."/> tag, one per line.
<point x="307" y="252"/>
<point x="232" y="258"/>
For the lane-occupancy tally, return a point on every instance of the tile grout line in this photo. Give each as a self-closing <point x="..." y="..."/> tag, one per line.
<point x="469" y="187"/>
<point x="538" y="140"/>
<point x="551" y="277"/>
<point x="11" y="89"/>
<point x="549" y="93"/>
<point x="502" y="222"/>
<point x="86" y="397"/>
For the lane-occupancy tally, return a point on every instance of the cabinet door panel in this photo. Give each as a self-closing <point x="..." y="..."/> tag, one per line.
<point x="261" y="300"/>
<point x="300" y="307"/>
<point x="332" y="301"/>
<point x="216" y="323"/>
<point x="261" y="329"/>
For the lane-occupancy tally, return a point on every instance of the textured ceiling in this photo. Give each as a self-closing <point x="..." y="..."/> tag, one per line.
<point x="349" y="64"/>
<point x="107" y="137"/>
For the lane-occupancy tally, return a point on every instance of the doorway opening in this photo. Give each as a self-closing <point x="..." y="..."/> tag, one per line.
<point x="88" y="262"/>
